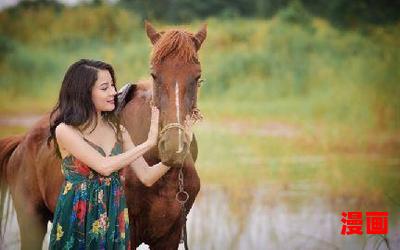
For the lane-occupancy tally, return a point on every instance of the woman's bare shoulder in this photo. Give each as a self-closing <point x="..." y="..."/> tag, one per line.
<point x="63" y="129"/>
<point x="64" y="133"/>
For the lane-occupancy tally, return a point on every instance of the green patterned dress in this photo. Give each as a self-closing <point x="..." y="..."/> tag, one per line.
<point x="91" y="211"/>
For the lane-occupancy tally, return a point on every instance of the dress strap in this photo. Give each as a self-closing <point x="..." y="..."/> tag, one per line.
<point x="80" y="132"/>
<point x="118" y="138"/>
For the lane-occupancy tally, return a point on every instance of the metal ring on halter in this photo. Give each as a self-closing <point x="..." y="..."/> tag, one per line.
<point x="172" y="125"/>
<point x="185" y="196"/>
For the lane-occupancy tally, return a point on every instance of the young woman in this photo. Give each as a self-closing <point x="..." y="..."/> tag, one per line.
<point x="91" y="211"/>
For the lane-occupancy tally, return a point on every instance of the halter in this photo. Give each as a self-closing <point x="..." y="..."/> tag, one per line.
<point x="195" y="115"/>
<point x="172" y="125"/>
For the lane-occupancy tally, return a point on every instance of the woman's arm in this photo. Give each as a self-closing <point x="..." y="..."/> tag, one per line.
<point x="146" y="174"/>
<point x="70" y="140"/>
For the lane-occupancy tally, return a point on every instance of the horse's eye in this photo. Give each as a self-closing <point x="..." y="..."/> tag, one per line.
<point x="200" y="82"/>
<point x="153" y="76"/>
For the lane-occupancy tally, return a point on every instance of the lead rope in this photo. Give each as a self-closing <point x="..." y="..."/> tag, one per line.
<point x="182" y="197"/>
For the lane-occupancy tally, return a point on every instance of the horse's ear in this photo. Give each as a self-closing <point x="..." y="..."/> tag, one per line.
<point x="200" y="36"/>
<point x="152" y="34"/>
<point x="125" y="95"/>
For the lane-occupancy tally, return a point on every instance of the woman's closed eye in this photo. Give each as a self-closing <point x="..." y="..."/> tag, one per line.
<point x="105" y="88"/>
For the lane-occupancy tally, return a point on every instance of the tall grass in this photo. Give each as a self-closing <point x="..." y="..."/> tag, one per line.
<point x="280" y="68"/>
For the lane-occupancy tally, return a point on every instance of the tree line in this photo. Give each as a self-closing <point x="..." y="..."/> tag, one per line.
<point x="343" y="13"/>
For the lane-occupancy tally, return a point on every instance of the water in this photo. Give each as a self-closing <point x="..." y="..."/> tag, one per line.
<point x="263" y="218"/>
<point x="282" y="223"/>
<point x="299" y="204"/>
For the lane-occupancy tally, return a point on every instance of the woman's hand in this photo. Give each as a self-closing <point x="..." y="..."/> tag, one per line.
<point x="188" y="124"/>
<point x="153" y="132"/>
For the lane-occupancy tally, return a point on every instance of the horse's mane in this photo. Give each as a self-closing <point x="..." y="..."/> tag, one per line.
<point x="175" y="43"/>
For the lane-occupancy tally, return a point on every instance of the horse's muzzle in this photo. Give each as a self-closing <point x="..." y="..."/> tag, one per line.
<point x="172" y="152"/>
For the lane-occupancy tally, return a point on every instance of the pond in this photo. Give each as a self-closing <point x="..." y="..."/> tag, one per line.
<point x="266" y="188"/>
<point x="265" y="218"/>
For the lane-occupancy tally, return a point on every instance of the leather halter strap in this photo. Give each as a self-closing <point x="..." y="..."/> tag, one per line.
<point x="170" y="126"/>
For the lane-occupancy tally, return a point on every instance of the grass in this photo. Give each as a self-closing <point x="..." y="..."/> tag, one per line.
<point x="310" y="72"/>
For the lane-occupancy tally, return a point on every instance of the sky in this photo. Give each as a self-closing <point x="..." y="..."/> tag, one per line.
<point x="8" y="3"/>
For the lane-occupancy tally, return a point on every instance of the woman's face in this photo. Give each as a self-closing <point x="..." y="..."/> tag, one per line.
<point x="103" y="92"/>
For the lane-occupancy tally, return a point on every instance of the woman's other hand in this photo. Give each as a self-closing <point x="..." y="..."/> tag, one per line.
<point x="188" y="124"/>
<point x="153" y="132"/>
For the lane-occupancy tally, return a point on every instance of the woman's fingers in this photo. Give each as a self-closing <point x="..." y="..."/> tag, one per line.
<point x="154" y="110"/>
<point x="190" y="122"/>
<point x="155" y="114"/>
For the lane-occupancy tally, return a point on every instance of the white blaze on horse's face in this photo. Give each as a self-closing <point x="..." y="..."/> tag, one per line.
<point x="180" y="147"/>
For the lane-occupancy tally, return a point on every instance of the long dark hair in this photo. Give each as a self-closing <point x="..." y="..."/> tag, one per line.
<point x="75" y="106"/>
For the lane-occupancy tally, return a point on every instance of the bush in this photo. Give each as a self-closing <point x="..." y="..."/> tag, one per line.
<point x="78" y="24"/>
<point x="295" y="13"/>
<point x="6" y="46"/>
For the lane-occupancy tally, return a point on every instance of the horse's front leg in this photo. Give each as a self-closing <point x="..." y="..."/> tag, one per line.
<point x="32" y="217"/>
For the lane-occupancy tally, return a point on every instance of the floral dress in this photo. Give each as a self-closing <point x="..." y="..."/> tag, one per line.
<point x="91" y="210"/>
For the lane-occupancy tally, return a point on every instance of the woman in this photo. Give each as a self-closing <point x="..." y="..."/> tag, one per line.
<point x="91" y="211"/>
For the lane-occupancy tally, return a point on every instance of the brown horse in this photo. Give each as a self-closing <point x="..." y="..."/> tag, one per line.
<point x="32" y="172"/>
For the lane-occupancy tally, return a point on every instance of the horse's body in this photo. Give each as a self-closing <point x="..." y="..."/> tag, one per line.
<point x="32" y="172"/>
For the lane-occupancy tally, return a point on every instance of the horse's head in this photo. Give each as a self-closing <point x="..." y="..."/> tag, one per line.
<point x="176" y="72"/>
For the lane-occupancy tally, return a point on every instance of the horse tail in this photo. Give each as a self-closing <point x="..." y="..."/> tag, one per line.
<point x="7" y="147"/>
